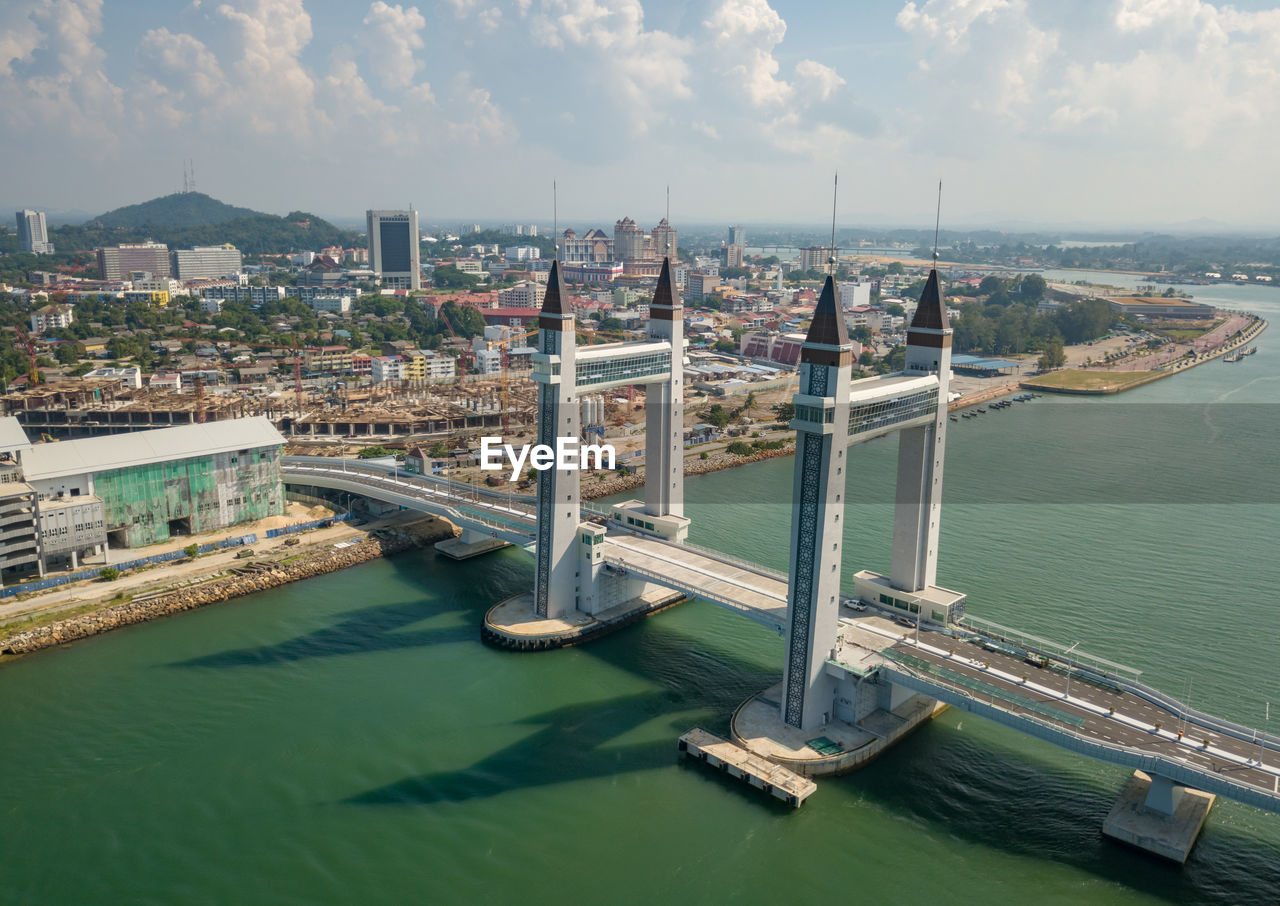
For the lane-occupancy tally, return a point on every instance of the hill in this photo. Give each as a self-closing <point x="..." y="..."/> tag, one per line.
<point x="190" y="219"/>
<point x="181" y="209"/>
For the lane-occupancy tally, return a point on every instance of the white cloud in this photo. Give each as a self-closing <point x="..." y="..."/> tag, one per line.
<point x="392" y="38"/>
<point x="744" y="34"/>
<point x="814" y="79"/>
<point x="274" y="89"/>
<point x="645" y="69"/>
<point x="52" y="70"/>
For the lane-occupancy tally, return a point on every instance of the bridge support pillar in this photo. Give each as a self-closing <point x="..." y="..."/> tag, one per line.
<point x="469" y="544"/>
<point x="1157" y="815"/>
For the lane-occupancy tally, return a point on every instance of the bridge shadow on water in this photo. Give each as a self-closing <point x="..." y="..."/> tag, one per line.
<point x="382" y="627"/>
<point x="970" y="787"/>
<point x="979" y="791"/>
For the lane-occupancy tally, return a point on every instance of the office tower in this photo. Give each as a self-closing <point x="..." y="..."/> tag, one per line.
<point x="32" y="235"/>
<point x="393" y="248"/>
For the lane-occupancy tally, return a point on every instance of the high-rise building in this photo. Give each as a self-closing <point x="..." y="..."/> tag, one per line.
<point x="207" y="262"/>
<point x="393" y="248"/>
<point x="32" y="235"/>
<point x="737" y="236"/>
<point x="117" y="262"/>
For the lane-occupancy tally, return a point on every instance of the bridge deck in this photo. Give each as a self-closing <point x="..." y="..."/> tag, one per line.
<point x="1138" y="726"/>
<point x="756" y="594"/>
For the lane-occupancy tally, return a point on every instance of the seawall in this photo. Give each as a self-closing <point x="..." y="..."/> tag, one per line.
<point x="265" y="576"/>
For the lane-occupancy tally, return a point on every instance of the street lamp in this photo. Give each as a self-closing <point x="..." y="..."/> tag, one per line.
<point x="1068" y="651"/>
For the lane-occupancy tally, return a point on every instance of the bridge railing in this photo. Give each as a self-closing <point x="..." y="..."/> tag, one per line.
<point x="653" y="575"/>
<point x="1176" y="769"/>
<point x="463" y="510"/>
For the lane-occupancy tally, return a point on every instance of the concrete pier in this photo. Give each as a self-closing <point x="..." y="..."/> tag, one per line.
<point x="835" y="748"/>
<point x="1159" y="816"/>
<point x="774" y="779"/>
<point x="515" y="623"/>
<point x="469" y="544"/>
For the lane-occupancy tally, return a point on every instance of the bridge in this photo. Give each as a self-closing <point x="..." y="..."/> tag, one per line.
<point x="1067" y="704"/>
<point x="861" y="670"/>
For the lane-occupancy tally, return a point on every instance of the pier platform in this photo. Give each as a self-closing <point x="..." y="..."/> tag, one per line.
<point x="1169" y="836"/>
<point x="757" y="726"/>
<point x="774" y="779"/>
<point x="513" y="624"/>
<point x="462" y="549"/>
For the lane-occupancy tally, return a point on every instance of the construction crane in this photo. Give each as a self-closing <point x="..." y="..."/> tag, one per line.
<point x="33" y="374"/>
<point x="464" y="361"/>
<point x="200" y="412"/>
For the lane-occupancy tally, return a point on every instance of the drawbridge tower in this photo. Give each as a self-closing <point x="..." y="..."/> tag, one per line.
<point x="817" y="500"/>
<point x="831" y="414"/>
<point x="568" y="578"/>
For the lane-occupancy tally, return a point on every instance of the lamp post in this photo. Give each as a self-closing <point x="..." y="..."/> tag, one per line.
<point x="1068" y="651"/>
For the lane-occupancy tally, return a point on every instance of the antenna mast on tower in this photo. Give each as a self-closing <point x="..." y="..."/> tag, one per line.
<point x="831" y="261"/>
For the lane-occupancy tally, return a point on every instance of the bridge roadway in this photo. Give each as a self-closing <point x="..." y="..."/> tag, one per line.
<point x="753" y="591"/>
<point x="1073" y="709"/>
<point x="939" y="666"/>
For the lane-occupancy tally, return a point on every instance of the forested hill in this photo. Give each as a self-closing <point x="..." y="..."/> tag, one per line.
<point x="181" y="209"/>
<point x="190" y="219"/>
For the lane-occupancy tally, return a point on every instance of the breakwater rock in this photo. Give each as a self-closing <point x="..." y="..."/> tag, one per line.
<point x="263" y="575"/>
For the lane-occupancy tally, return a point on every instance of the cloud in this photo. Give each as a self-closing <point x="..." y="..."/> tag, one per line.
<point x="274" y="89"/>
<point x="744" y="34"/>
<point x="52" y="70"/>
<point x="816" y="80"/>
<point x="392" y="37"/>
<point x="646" y="68"/>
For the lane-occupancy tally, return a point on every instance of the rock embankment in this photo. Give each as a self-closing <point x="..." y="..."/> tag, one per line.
<point x="265" y="575"/>
<point x="593" y="489"/>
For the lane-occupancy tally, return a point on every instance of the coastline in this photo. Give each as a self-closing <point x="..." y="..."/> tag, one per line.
<point x="1181" y="365"/>
<point x="261" y="577"/>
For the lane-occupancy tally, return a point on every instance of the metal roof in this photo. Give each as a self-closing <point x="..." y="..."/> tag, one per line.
<point x="12" y="437"/>
<point x="119" y="451"/>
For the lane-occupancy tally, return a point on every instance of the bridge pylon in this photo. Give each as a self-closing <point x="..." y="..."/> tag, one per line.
<point x="555" y="593"/>
<point x="822" y="431"/>
<point x="918" y="500"/>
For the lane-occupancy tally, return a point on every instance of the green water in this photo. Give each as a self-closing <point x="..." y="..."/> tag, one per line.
<point x="349" y="739"/>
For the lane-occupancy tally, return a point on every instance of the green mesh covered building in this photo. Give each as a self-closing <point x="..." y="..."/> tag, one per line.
<point x="168" y="482"/>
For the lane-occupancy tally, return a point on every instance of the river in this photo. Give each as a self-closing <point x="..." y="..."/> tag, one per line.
<point x="350" y="739"/>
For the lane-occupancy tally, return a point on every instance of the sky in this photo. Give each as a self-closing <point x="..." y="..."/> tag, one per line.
<point x="1098" y="112"/>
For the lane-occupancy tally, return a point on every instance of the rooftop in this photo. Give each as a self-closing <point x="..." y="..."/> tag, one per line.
<point x="119" y="451"/>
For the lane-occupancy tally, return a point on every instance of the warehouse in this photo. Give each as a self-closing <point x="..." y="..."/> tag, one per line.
<point x="153" y="485"/>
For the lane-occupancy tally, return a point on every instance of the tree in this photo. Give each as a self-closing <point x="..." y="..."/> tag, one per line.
<point x="726" y="346"/>
<point x="785" y="411"/>
<point x="192" y="550"/>
<point x="738" y="448"/>
<point x="895" y="309"/>
<point x="717" y="415"/>
<point x="108" y="574"/>
<point x="439" y="450"/>
<point x="67" y="354"/>
<point x="1054" y="356"/>
<point x="895" y="267"/>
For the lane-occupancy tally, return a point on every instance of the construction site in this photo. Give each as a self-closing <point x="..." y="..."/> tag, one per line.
<point x="401" y="410"/>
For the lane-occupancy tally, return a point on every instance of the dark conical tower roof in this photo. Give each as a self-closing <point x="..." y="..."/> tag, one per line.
<point x="931" y="313"/>
<point x="827" y="328"/>
<point x="551" y="302"/>
<point x="665" y="293"/>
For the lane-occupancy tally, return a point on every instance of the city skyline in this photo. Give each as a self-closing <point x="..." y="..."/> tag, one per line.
<point x="1113" y="113"/>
